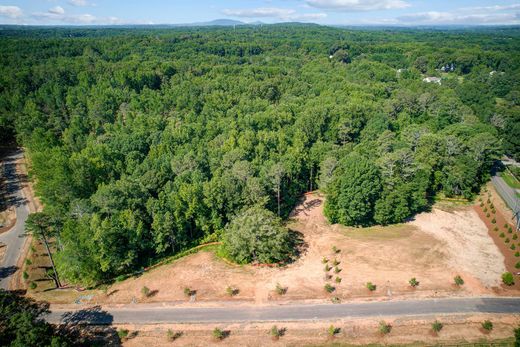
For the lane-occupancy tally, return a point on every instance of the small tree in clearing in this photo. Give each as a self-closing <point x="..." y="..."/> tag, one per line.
<point x="487" y="325"/>
<point x="145" y="291"/>
<point x="458" y="280"/>
<point x="188" y="291"/>
<point x="413" y="282"/>
<point x="332" y="331"/>
<point x="370" y="286"/>
<point x="231" y="291"/>
<point x="384" y="328"/>
<point x="437" y="326"/>
<point x="280" y="290"/>
<point x="218" y="334"/>
<point x="329" y="288"/>
<point x="508" y="279"/>
<point x="275" y="332"/>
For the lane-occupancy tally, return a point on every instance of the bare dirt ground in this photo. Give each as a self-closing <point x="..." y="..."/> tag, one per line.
<point x="412" y="331"/>
<point x="7" y="213"/>
<point x="433" y="248"/>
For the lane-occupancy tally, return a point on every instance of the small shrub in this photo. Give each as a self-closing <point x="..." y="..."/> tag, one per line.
<point x="485" y="209"/>
<point x="325" y="260"/>
<point x="413" y="282"/>
<point x="506" y="225"/>
<point x="517" y="265"/>
<point x="25" y="275"/>
<point x="480" y="198"/>
<point x="327" y="268"/>
<point x="495" y="229"/>
<point x="458" y="280"/>
<point x="515" y="236"/>
<point x="491" y="205"/>
<point x="335" y="250"/>
<point x="488" y="215"/>
<point x="231" y="291"/>
<point x="172" y="336"/>
<point x="280" y="290"/>
<point x="493" y="221"/>
<point x="507" y="240"/>
<point x="488" y="201"/>
<point x="336" y="262"/>
<point x="487" y="325"/>
<point x="370" y="286"/>
<point x="510" y="229"/>
<point x="145" y="291"/>
<point x="513" y="247"/>
<point x="188" y="291"/>
<point x="437" y="326"/>
<point x="338" y="280"/>
<point x="33" y="285"/>
<point x="28" y="262"/>
<point x="123" y="334"/>
<point x="502" y="235"/>
<point x="218" y="334"/>
<point x="33" y="250"/>
<point x="275" y="332"/>
<point x="337" y="270"/>
<point x="335" y="300"/>
<point x="493" y="211"/>
<point x="329" y="288"/>
<point x="508" y="279"/>
<point x="332" y="331"/>
<point x="481" y="204"/>
<point x="517" y="254"/>
<point x="384" y="328"/>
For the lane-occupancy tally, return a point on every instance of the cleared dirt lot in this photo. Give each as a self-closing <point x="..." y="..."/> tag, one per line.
<point x="433" y="248"/>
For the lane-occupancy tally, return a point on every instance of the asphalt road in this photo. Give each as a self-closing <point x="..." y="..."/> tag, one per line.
<point x="506" y="192"/>
<point x="14" y="238"/>
<point x="142" y="313"/>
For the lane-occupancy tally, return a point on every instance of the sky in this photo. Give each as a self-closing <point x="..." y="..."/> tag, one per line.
<point x="332" y="12"/>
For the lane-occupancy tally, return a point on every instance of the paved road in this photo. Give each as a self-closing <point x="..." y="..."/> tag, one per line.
<point x="142" y="313"/>
<point x="14" y="238"/>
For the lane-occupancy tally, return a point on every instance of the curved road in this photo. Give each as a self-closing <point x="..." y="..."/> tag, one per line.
<point x="14" y="239"/>
<point x="143" y="314"/>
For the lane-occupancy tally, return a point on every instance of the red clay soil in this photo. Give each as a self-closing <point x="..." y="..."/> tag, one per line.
<point x="510" y="259"/>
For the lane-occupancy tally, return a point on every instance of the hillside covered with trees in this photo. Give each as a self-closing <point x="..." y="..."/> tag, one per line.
<point x="145" y="142"/>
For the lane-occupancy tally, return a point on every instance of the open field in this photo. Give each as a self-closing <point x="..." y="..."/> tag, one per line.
<point x="428" y="248"/>
<point x="407" y="331"/>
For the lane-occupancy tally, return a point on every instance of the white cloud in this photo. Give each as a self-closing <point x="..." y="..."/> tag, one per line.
<point x="358" y="5"/>
<point x="80" y="19"/>
<point x="285" y="14"/>
<point x="57" y="10"/>
<point x="435" y="18"/>
<point x="494" y="8"/>
<point x="11" y="11"/>
<point x="79" y="3"/>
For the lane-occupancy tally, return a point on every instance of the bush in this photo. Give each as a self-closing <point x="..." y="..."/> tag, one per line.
<point x="485" y="209"/>
<point x="508" y="279"/>
<point x="493" y="221"/>
<point x="335" y="300"/>
<point x="145" y="291"/>
<point x="487" y="325"/>
<point x="332" y="331"/>
<point x="515" y="236"/>
<point x="384" y="328"/>
<point x="257" y="235"/>
<point x="495" y="229"/>
<point x="337" y="270"/>
<point x="335" y="250"/>
<point x="329" y="288"/>
<point x="370" y="286"/>
<point x="25" y="275"/>
<point x="33" y="285"/>
<point x="172" y="336"/>
<point x="507" y="240"/>
<point x="513" y="247"/>
<point x="188" y="291"/>
<point x="28" y="262"/>
<point x="510" y="229"/>
<point x="517" y="265"/>
<point x="218" y="334"/>
<point x="231" y="291"/>
<point x="413" y="282"/>
<point x="336" y="262"/>
<point x="327" y="268"/>
<point x="493" y="211"/>
<point x="122" y="333"/>
<point x="437" y="326"/>
<point x="491" y="205"/>
<point x="517" y="254"/>
<point x="458" y="280"/>
<point x="488" y="215"/>
<point x="338" y="279"/>
<point x="280" y="290"/>
<point x="506" y="225"/>
<point x="275" y="332"/>
<point x="502" y="235"/>
<point x="325" y="260"/>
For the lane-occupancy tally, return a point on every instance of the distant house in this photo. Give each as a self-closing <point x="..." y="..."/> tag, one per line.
<point x="432" y="80"/>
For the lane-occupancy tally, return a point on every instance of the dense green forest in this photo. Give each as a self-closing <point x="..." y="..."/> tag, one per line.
<point x="145" y="141"/>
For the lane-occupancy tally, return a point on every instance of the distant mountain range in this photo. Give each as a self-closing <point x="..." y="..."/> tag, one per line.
<point x="219" y="22"/>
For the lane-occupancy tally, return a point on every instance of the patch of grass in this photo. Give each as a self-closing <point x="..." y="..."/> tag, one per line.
<point x="123" y="334"/>
<point x="510" y="179"/>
